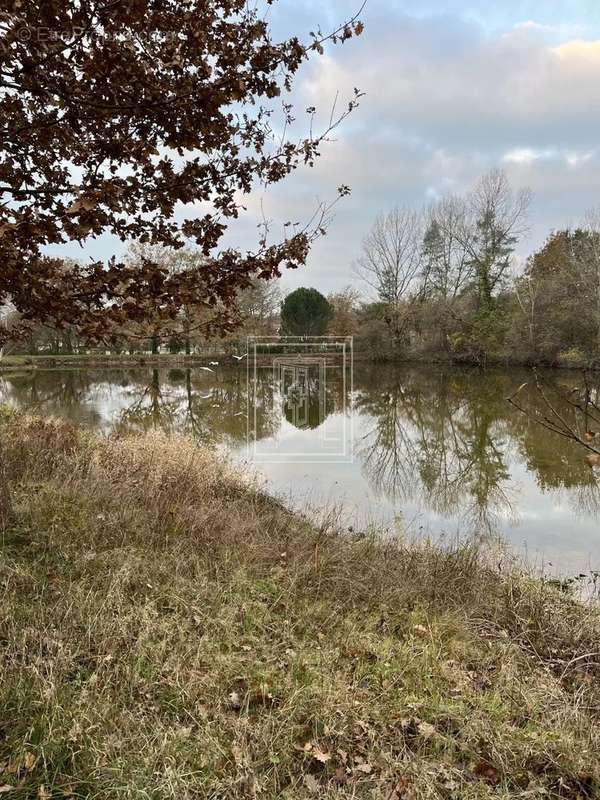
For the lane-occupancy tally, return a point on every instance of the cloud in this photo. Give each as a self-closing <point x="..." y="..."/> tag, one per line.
<point x="527" y="155"/>
<point x="448" y="81"/>
<point x="448" y="96"/>
<point x="446" y="100"/>
<point x="579" y="53"/>
<point x="561" y="30"/>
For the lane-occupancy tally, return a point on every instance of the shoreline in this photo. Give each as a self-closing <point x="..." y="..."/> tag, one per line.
<point x="170" y="629"/>
<point x="102" y="362"/>
<point x="11" y="363"/>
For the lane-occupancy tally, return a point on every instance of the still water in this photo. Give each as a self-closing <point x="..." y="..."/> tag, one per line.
<point x="426" y="451"/>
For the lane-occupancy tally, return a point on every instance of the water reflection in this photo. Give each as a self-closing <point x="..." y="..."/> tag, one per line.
<point x="181" y="401"/>
<point x="439" y="446"/>
<point x="430" y="436"/>
<point x="310" y="406"/>
<point x="302" y="385"/>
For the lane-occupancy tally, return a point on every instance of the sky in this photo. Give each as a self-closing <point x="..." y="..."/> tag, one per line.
<point x="453" y="88"/>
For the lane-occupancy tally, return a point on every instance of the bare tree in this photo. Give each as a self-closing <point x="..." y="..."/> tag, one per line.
<point x="592" y="227"/>
<point x="193" y="318"/>
<point x="9" y="320"/>
<point x="527" y="291"/>
<point x="446" y="247"/>
<point x="496" y="220"/>
<point x="345" y="305"/>
<point x="258" y="305"/>
<point x="391" y="260"/>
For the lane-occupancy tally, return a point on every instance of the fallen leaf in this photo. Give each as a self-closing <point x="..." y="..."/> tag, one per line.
<point x="360" y="725"/>
<point x="29" y="761"/>
<point x="238" y="754"/>
<point x="426" y="730"/>
<point x="366" y="768"/>
<point x="311" y="783"/>
<point x="487" y="772"/>
<point x="321" y="755"/>
<point x="421" y="630"/>
<point x="340" y="775"/>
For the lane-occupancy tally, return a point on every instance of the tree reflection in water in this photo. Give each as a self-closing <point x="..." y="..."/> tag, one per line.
<point x="448" y="438"/>
<point x="431" y="437"/>
<point x="442" y="438"/>
<point x="305" y="397"/>
<point x="209" y="407"/>
<point x="72" y="394"/>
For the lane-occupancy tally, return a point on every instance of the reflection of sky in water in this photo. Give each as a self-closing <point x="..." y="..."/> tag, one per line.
<point x="326" y="441"/>
<point x="542" y="525"/>
<point x="434" y="453"/>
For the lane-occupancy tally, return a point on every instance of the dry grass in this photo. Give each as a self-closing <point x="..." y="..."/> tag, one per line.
<point x="169" y="632"/>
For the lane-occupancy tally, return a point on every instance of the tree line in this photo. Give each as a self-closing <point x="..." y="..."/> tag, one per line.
<point x="446" y="285"/>
<point x="442" y="283"/>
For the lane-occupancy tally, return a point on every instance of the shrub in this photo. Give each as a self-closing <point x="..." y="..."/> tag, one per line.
<point x="573" y="357"/>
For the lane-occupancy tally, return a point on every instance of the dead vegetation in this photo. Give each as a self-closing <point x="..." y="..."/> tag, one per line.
<point x="167" y="631"/>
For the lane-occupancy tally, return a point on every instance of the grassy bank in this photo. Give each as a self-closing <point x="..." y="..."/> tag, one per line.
<point x="167" y="631"/>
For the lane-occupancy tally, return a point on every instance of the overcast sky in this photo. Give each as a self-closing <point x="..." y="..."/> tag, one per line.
<point x="452" y="89"/>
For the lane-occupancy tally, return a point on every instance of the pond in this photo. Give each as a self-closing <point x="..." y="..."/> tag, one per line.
<point x="425" y="451"/>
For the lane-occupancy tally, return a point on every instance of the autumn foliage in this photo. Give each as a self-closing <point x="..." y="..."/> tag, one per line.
<point x="147" y="120"/>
